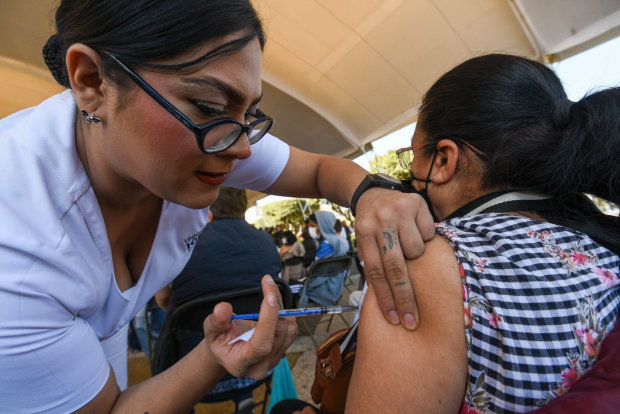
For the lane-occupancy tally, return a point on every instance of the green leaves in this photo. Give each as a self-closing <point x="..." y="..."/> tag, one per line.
<point x="388" y="164"/>
<point x="287" y="212"/>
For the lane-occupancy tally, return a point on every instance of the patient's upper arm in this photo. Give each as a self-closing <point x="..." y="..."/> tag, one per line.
<point x="424" y="371"/>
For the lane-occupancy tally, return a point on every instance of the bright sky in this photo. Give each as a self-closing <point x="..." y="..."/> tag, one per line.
<point x="588" y="71"/>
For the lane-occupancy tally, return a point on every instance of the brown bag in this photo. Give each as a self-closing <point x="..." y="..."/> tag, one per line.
<point x="334" y="366"/>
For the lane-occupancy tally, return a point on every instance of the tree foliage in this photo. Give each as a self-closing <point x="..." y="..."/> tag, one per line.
<point x="343" y="211"/>
<point x="388" y="164"/>
<point x="287" y="212"/>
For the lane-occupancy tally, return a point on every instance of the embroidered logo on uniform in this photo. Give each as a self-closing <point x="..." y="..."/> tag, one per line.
<point x="190" y="242"/>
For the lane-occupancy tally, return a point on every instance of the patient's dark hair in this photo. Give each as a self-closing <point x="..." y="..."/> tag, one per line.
<point x="516" y="111"/>
<point x="138" y="32"/>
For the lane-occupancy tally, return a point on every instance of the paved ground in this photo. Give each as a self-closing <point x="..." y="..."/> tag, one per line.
<point x="301" y="356"/>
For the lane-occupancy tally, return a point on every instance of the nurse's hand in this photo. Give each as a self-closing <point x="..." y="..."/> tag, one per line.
<point x="264" y="350"/>
<point x="391" y="227"/>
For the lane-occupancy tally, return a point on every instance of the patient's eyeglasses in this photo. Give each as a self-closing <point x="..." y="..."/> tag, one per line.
<point x="213" y="136"/>
<point x="405" y="155"/>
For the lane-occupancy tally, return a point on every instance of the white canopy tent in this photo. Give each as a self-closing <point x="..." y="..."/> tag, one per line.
<point x="338" y="74"/>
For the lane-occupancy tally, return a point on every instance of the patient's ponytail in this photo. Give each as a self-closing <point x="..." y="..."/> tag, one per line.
<point x="516" y="112"/>
<point x="588" y="159"/>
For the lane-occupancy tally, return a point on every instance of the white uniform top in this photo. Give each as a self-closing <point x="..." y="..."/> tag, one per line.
<point x="58" y="294"/>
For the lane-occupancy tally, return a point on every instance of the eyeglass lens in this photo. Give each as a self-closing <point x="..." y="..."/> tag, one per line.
<point x="259" y="130"/>
<point x="405" y="159"/>
<point x="223" y="135"/>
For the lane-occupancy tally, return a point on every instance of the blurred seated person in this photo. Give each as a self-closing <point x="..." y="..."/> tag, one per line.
<point x="308" y="241"/>
<point x="339" y="229"/>
<point x="291" y="247"/>
<point x="325" y="290"/>
<point x="277" y="235"/>
<point x="156" y="317"/>
<point x="230" y="254"/>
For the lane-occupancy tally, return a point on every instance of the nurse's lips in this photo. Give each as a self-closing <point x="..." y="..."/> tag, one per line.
<point x="211" y="178"/>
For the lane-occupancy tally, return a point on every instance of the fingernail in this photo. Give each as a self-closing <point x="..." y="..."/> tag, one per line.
<point x="393" y="317"/>
<point x="270" y="280"/>
<point x="271" y="299"/>
<point x="409" y="320"/>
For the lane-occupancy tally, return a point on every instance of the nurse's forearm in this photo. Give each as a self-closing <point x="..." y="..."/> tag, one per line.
<point x="338" y="178"/>
<point x="175" y="390"/>
<point x="319" y="176"/>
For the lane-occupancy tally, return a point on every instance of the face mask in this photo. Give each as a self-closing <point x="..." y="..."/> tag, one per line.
<point x="312" y="232"/>
<point x="424" y="192"/>
<point x="284" y="241"/>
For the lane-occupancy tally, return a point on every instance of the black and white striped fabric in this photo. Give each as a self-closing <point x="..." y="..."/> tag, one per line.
<point x="539" y="299"/>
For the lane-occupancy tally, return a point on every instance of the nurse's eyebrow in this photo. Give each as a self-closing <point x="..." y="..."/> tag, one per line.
<point x="233" y="94"/>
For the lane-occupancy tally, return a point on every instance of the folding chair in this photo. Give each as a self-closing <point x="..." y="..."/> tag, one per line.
<point x="294" y="261"/>
<point x="347" y="278"/>
<point x="309" y="257"/>
<point x="187" y="323"/>
<point x="327" y="268"/>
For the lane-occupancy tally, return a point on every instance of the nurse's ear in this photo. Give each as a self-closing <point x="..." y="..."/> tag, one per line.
<point x="85" y="72"/>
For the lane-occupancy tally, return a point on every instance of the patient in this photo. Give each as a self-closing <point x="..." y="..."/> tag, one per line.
<point x="515" y="299"/>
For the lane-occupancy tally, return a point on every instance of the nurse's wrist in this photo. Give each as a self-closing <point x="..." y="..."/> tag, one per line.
<point x="210" y="364"/>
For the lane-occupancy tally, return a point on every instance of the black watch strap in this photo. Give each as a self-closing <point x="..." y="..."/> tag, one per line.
<point x="375" y="180"/>
<point x="364" y="185"/>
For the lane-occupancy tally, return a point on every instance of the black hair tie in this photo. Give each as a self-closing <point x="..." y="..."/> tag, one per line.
<point x="55" y="60"/>
<point x="561" y="113"/>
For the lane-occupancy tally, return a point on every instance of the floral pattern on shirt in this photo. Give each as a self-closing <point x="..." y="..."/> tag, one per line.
<point x="572" y="260"/>
<point x="588" y="332"/>
<point x="589" y="335"/>
<point x="470" y="300"/>
<point x="476" y="398"/>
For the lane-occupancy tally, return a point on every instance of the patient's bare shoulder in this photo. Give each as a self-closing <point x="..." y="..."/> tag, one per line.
<point x="400" y="371"/>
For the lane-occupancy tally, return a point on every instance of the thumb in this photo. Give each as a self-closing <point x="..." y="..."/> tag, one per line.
<point x="219" y="320"/>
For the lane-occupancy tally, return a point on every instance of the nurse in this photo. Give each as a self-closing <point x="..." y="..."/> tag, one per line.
<point x="105" y="189"/>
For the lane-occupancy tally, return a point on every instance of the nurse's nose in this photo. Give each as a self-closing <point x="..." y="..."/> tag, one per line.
<point x="241" y="149"/>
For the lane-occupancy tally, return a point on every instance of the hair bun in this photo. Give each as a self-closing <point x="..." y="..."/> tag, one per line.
<point x="55" y="61"/>
<point x="561" y="114"/>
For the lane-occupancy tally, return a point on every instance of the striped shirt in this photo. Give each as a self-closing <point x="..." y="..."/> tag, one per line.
<point x="538" y="301"/>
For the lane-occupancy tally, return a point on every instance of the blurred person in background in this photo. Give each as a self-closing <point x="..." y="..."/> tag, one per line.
<point x="325" y="290"/>
<point x="290" y="248"/>
<point x="230" y="254"/>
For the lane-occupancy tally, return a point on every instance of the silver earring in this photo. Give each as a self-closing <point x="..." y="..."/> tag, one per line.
<point x="431" y="180"/>
<point x="90" y="117"/>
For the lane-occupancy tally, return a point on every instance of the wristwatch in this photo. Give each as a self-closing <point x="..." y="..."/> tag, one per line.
<point x="379" y="180"/>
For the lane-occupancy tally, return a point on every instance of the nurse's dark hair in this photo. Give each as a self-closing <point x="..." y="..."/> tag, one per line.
<point x="517" y="113"/>
<point x="138" y="32"/>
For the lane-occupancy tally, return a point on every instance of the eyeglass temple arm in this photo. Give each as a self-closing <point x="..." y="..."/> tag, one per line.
<point x="400" y="151"/>
<point x="160" y="99"/>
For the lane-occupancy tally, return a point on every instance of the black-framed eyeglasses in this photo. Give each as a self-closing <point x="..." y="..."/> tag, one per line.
<point x="405" y="155"/>
<point x="213" y="136"/>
